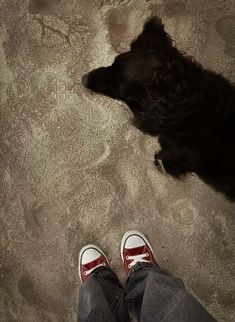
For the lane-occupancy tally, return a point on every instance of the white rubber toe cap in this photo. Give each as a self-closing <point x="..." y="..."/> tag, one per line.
<point x="133" y="239"/>
<point x="90" y="253"/>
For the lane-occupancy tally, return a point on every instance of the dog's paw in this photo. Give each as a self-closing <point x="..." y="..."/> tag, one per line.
<point x="158" y="156"/>
<point x="166" y="162"/>
<point x="158" y="162"/>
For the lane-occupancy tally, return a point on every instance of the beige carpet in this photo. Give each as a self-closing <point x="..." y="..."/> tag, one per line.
<point x="72" y="168"/>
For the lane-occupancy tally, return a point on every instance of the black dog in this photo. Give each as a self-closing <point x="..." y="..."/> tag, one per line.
<point x="190" y="109"/>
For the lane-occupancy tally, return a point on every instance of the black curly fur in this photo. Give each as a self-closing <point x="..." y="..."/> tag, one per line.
<point x="191" y="109"/>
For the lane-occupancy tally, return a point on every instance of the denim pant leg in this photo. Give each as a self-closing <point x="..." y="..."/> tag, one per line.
<point x="153" y="296"/>
<point x="102" y="298"/>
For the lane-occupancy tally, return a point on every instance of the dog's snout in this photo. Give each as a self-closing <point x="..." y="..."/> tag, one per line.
<point x="85" y="80"/>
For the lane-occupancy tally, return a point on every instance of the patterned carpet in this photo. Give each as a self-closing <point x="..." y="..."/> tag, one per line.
<point x="72" y="168"/>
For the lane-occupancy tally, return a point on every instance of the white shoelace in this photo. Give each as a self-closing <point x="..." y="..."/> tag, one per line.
<point x="92" y="269"/>
<point x="137" y="258"/>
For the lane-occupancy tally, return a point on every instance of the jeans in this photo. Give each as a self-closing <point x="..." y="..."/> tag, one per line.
<point x="150" y="295"/>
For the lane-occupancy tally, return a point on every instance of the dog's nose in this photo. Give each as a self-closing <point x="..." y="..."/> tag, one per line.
<point x="85" y="80"/>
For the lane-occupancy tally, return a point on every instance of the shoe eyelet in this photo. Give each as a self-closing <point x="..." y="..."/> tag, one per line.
<point x="147" y="254"/>
<point x="85" y="273"/>
<point x="127" y="257"/>
<point x="103" y="264"/>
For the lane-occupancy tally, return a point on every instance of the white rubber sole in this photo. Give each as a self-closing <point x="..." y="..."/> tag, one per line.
<point x="133" y="232"/>
<point x="83" y="250"/>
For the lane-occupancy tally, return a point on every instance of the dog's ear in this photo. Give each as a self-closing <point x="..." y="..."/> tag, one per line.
<point x="153" y="35"/>
<point x="152" y="27"/>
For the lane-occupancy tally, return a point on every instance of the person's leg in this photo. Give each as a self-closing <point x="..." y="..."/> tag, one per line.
<point x="152" y="294"/>
<point x="101" y="295"/>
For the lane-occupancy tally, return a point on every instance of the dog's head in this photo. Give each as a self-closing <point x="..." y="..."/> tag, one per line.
<point x="132" y="75"/>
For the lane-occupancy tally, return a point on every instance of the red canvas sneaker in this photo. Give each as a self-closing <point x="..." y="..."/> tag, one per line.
<point x="90" y="258"/>
<point x="135" y="248"/>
